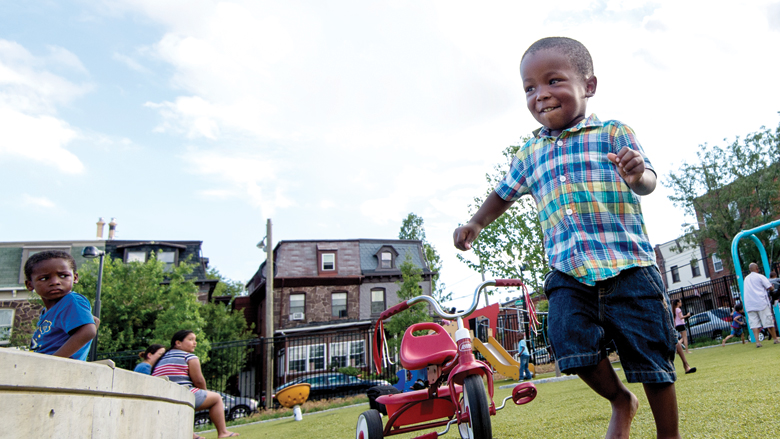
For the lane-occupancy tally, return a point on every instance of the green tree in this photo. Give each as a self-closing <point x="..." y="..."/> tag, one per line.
<point x="409" y="288"/>
<point x="512" y="246"/>
<point x="732" y="188"/>
<point x="142" y="303"/>
<point x="225" y="287"/>
<point x="412" y="227"/>
<point x="222" y="325"/>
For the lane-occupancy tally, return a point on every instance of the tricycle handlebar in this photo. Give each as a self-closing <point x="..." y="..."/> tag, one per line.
<point x="451" y="316"/>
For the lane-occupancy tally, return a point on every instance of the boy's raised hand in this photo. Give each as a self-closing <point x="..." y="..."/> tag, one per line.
<point x="631" y="166"/>
<point x="465" y="235"/>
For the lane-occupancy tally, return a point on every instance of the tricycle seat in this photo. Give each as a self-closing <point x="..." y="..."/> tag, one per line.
<point x="419" y="352"/>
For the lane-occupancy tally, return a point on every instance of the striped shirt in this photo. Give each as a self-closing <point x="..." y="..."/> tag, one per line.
<point x="592" y="221"/>
<point x="174" y="365"/>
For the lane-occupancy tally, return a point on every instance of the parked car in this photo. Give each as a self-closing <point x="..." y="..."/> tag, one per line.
<point x="708" y="324"/>
<point x="334" y="384"/>
<point x="235" y="407"/>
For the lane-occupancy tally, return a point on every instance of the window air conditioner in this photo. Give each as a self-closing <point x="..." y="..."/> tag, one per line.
<point x="296" y="316"/>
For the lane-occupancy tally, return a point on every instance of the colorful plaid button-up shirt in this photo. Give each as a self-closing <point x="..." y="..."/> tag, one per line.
<point x="592" y="221"/>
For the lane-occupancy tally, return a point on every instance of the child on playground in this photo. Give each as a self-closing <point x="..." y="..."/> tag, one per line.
<point x="737" y="322"/>
<point x="66" y="326"/>
<point x="586" y="176"/>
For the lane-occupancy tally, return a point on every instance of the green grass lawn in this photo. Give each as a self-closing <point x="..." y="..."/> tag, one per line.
<point x="734" y="394"/>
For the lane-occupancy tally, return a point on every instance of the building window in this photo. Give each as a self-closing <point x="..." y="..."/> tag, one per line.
<point x="348" y="353"/>
<point x="6" y="325"/>
<point x="717" y="264"/>
<point x="377" y="300"/>
<point x="675" y="274"/>
<point x="306" y="358"/>
<point x="297" y="303"/>
<point x="695" y="272"/>
<point x="338" y="304"/>
<point x="387" y="260"/>
<point x="328" y="261"/>
<point x="168" y="258"/>
<point x="136" y="257"/>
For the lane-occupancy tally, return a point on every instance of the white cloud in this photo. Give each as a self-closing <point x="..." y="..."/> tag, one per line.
<point x="130" y="62"/>
<point x="29" y="96"/>
<point x="43" y="202"/>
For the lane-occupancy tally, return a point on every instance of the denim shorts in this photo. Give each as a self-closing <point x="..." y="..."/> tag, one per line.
<point x="736" y="331"/>
<point x="632" y="309"/>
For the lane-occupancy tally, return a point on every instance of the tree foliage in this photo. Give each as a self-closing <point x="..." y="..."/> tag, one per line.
<point x="512" y="246"/>
<point x="409" y="288"/>
<point x="413" y="228"/>
<point x="225" y="287"/>
<point x="731" y="188"/>
<point x="142" y="304"/>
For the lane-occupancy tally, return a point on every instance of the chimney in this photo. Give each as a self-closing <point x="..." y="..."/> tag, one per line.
<point x="112" y="228"/>
<point x="100" y="226"/>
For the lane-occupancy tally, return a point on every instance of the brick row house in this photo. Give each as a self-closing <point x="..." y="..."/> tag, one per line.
<point x="16" y="310"/>
<point x="327" y="294"/>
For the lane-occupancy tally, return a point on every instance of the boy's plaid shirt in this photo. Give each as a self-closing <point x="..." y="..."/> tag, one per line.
<point x="592" y="221"/>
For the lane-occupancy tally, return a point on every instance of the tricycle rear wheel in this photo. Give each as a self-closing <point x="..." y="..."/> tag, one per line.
<point x="369" y="425"/>
<point x="475" y="403"/>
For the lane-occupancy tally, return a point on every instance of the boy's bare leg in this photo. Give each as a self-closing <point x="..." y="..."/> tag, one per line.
<point x="680" y="352"/>
<point x="663" y="403"/>
<point x="604" y="381"/>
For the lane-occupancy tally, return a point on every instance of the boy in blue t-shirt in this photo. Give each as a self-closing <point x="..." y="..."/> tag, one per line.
<point x="66" y="327"/>
<point x="586" y="177"/>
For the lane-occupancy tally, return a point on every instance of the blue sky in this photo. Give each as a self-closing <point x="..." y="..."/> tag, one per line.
<point x="197" y="120"/>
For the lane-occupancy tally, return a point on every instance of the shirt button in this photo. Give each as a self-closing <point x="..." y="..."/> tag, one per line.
<point x="563" y="178"/>
<point x="560" y="143"/>
<point x="569" y="211"/>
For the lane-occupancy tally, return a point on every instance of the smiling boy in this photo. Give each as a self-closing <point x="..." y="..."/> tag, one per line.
<point x="586" y="177"/>
<point x="66" y="326"/>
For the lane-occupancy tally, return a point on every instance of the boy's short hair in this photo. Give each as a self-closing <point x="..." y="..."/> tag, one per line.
<point x="45" y="255"/>
<point x="738" y="307"/>
<point x="574" y="50"/>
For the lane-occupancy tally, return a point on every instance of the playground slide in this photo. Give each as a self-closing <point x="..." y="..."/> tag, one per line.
<point x="498" y="357"/>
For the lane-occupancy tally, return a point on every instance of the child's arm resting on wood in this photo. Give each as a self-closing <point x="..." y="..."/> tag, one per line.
<point x="81" y="336"/>
<point x="493" y="207"/>
<point x="631" y="166"/>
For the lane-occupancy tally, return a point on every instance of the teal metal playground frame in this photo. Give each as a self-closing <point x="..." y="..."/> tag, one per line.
<point x="738" y="271"/>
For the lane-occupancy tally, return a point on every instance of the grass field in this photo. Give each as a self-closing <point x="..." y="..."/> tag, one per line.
<point x="734" y="394"/>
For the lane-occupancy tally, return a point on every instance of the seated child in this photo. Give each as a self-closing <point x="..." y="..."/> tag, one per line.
<point x="737" y="322"/>
<point x="66" y="326"/>
<point x="586" y="176"/>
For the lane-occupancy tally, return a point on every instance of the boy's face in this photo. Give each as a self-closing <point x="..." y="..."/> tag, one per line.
<point x="556" y="93"/>
<point x="52" y="279"/>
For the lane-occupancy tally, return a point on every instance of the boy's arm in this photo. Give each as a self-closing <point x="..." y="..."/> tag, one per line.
<point x="631" y="166"/>
<point x="493" y="207"/>
<point x="77" y="340"/>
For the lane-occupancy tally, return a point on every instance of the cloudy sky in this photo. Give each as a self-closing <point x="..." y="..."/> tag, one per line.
<point x="197" y="120"/>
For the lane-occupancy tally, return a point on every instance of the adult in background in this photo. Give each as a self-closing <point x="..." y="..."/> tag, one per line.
<point x="149" y="358"/>
<point x="182" y="366"/>
<point x="757" y="303"/>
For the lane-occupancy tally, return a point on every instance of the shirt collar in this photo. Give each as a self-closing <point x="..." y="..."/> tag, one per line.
<point x="590" y="121"/>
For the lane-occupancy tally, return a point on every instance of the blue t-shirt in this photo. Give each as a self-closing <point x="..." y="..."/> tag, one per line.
<point x="522" y="349"/>
<point x="143" y="368"/>
<point x="56" y="324"/>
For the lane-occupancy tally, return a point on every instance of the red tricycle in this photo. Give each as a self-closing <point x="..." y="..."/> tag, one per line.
<point x="455" y="394"/>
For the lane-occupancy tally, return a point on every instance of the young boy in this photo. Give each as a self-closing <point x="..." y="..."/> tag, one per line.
<point x="66" y="326"/>
<point x="737" y="322"/>
<point x="586" y="177"/>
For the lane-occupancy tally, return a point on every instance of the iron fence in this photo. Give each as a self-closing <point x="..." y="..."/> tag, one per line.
<point x="710" y="305"/>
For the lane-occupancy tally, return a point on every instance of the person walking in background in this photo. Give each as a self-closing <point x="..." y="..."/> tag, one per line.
<point x="679" y="323"/>
<point x="149" y="358"/>
<point x="525" y="358"/>
<point x="182" y="366"/>
<point x="757" y="303"/>
<point x="737" y="322"/>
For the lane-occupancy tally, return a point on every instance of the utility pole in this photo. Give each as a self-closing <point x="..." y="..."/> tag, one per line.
<point x="269" y="317"/>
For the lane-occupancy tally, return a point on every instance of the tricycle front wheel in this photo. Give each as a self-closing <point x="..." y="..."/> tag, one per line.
<point x="475" y="403"/>
<point x="369" y="425"/>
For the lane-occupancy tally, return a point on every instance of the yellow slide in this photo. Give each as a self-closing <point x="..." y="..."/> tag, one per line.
<point x="499" y="358"/>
